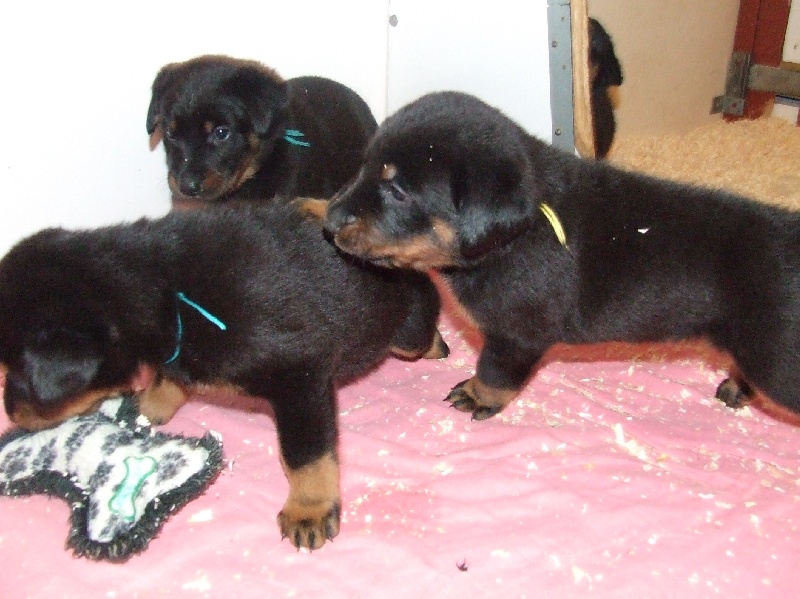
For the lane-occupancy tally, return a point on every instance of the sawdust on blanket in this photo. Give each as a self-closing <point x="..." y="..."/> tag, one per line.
<point x="759" y="159"/>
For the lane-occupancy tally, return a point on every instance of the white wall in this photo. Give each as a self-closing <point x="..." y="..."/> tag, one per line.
<point x="76" y="82"/>
<point x="497" y="50"/>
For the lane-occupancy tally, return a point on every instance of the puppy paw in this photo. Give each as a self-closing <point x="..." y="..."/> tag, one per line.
<point x="734" y="394"/>
<point x="439" y="348"/>
<point x="461" y="399"/>
<point x="310" y="526"/>
<point x="313" y="509"/>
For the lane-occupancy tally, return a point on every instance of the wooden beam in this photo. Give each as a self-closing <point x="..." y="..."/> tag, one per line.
<point x="581" y="84"/>
<point x="760" y="31"/>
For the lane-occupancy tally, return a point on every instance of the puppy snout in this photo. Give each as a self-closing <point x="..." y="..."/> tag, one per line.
<point x="191" y="185"/>
<point x="337" y="217"/>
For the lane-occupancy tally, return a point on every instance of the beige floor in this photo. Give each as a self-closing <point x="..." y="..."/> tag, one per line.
<point x="760" y="159"/>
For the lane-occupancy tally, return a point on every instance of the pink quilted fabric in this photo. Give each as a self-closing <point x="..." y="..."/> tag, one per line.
<point x="615" y="472"/>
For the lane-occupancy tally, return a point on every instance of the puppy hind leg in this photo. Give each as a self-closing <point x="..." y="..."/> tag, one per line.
<point x="437" y="349"/>
<point x="773" y="387"/>
<point x="484" y="401"/>
<point x="418" y="336"/>
<point x="735" y="392"/>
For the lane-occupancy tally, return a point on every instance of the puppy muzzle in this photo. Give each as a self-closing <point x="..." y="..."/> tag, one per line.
<point x="336" y="218"/>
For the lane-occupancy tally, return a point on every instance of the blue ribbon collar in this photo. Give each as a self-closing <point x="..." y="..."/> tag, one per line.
<point x="293" y="135"/>
<point x="202" y="311"/>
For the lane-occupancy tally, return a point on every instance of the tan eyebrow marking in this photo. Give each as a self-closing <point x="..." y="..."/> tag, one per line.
<point x="388" y="172"/>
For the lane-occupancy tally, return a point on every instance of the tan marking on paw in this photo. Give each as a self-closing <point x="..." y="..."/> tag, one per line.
<point x="312" y="511"/>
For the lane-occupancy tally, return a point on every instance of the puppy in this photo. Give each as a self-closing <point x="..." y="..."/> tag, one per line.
<point x="605" y="71"/>
<point x="541" y="247"/>
<point x="234" y="129"/>
<point x="251" y="297"/>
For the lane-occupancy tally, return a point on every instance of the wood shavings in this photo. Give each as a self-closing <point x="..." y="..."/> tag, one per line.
<point x="578" y="574"/>
<point x="712" y="156"/>
<point x="443" y="468"/>
<point x="632" y="446"/>
<point x="202" y="516"/>
<point x="446" y="426"/>
<point x="201" y="584"/>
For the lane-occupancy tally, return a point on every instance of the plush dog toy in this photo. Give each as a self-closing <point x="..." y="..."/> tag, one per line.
<point x="121" y="479"/>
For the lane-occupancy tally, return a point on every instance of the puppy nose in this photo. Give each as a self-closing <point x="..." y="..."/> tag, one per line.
<point x="337" y="217"/>
<point x="191" y="186"/>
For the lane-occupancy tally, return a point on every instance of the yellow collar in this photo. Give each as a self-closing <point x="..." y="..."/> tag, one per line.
<point x="554" y="221"/>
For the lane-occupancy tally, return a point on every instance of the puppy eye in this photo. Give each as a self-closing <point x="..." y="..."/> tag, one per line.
<point x="220" y="134"/>
<point x="398" y="193"/>
<point x="170" y="134"/>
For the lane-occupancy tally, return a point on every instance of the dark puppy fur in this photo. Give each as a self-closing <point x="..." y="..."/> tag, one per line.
<point x="450" y="183"/>
<point x="605" y="72"/>
<point x="234" y="129"/>
<point x="83" y="313"/>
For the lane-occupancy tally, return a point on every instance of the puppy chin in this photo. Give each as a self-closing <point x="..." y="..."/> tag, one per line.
<point x="25" y="414"/>
<point x="214" y="188"/>
<point x="26" y="417"/>
<point x="424" y="251"/>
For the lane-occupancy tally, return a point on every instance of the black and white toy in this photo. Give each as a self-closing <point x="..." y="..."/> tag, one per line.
<point x="121" y="478"/>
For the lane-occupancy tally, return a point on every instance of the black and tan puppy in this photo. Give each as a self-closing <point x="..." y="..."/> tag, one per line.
<point x="605" y="72"/>
<point x="234" y="129"/>
<point x="541" y="247"/>
<point x="252" y="297"/>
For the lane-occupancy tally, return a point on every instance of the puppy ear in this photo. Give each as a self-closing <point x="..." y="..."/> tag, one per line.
<point x="609" y="71"/>
<point x="161" y="84"/>
<point x="602" y="56"/>
<point x="58" y="363"/>
<point x="493" y="198"/>
<point x="265" y="96"/>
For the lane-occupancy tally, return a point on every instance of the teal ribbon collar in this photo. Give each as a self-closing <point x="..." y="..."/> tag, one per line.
<point x="203" y="312"/>
<point x="293" y="135"/>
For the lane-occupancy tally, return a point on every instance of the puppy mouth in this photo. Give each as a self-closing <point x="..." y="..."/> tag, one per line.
<point x="26" y="416"/>
<point x="211" y="187"/>
<point x="424" y="251"/>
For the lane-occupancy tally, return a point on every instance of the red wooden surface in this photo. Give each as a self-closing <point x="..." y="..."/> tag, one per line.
<point x="761" y="29"/>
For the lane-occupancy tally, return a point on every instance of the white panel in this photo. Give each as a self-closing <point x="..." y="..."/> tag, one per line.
<point x="497" y="50"/>
<point x="76" y="86"/>
<point x="791" y="45"/>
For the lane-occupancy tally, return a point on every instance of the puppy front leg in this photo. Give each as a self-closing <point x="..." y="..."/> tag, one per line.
<point x="313" y="509"/>
<point x="503" y="368"/>
<point x="160" y="400"/>
<point x="307" y="431"/>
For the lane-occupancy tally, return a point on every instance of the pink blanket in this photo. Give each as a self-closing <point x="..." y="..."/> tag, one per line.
<point x="614" y="472"/>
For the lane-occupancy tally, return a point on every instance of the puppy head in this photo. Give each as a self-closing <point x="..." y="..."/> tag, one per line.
<point x="54" y="345"/>
<point x="218" y="117"/>
<point x="446" y="180"/>
<point x="603" y="63"/>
